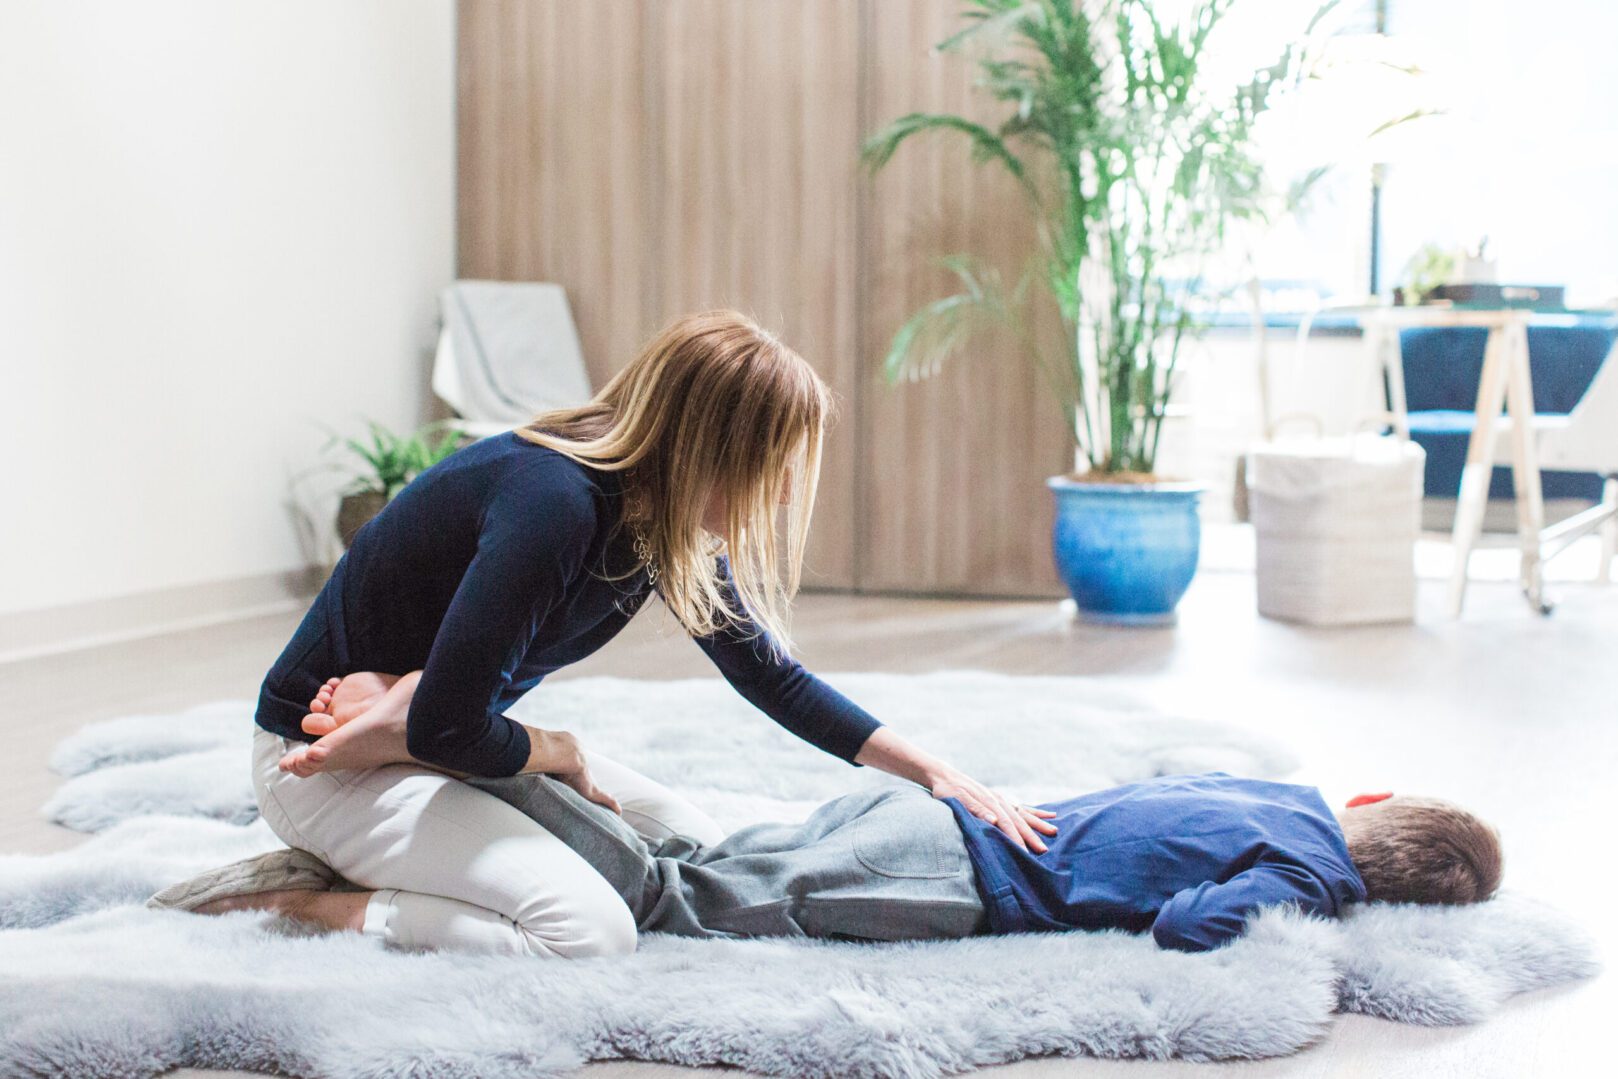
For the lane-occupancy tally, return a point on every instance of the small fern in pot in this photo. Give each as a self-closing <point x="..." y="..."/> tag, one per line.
<point x="390" y="461"/>
<point x="1134" y="169"/>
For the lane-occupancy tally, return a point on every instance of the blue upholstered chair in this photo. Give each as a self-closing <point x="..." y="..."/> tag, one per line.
<point x="1575" y="427"/>
<point x="1441" y="370"/>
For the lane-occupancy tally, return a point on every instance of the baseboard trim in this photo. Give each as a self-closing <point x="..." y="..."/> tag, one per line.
<point x="70" y="628"/>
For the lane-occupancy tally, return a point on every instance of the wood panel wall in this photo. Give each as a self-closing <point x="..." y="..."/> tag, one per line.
<point x="660" y="157"/>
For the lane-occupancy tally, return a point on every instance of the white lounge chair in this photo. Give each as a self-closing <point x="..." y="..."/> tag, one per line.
<point x="507" y="349"/>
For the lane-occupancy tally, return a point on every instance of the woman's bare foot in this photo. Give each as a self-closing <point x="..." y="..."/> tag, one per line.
<point x="346" y="698"/>
<point x="334" y="911"/>
<point x="368" y="740"/>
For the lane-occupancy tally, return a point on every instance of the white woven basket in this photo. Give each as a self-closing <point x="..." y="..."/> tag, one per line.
<point x="1336" y="523"/>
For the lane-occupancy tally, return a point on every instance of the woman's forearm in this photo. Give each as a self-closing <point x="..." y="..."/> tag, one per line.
<point x="896" y="755"/>
<point x="548" y="751"/>
<point x="380" y="735"/>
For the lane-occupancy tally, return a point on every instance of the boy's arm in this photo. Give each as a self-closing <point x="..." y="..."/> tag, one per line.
<point x="1201" y="918"/>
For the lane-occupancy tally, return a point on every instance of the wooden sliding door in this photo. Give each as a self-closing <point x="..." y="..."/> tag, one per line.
<point x="953" y="498"/>
<point x="754" y="116"/>
<point x="662" y="157"/>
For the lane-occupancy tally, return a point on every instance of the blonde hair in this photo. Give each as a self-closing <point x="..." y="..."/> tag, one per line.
<point x="1422" y="850"/>
<point x="713" y="404"/>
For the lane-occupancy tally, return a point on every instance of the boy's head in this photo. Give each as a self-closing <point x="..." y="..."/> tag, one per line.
<point x="1421" y="850"/>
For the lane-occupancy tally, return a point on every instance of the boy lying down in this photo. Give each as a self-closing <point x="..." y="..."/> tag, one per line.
<point x="1188" y="857"/>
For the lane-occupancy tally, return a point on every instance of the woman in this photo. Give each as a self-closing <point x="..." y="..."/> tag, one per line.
<point x="510" y="559"/>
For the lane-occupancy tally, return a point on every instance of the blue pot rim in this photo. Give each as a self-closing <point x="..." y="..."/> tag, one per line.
<point x="1181" y="488"/>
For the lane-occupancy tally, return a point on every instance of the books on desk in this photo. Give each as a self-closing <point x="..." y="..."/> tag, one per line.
<point x="1489" y="295"/>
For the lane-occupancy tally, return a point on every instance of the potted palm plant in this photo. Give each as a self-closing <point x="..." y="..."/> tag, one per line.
<point x="1134" y="168"/>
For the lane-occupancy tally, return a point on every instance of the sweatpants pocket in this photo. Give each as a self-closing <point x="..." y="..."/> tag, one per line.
<point x="910" y="835"/>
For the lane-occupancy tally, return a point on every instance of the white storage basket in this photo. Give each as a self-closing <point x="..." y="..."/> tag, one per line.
<point x="1336" y="522"/>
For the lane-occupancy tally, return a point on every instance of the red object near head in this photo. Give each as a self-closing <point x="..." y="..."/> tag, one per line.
<point x="1366" y="799"/>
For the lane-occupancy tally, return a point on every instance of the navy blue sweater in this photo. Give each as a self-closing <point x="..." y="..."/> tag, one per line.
<point x="493" y="568"/>
<point x="1189" y="857"/>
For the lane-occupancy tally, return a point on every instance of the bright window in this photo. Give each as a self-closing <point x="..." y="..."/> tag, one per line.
<point x="1527" y="152"/>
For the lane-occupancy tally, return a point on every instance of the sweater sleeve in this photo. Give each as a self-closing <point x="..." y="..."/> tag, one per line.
<point x="778" y="685"/>
<point x="1202" y="918"/>
<point x="536" y="530"/>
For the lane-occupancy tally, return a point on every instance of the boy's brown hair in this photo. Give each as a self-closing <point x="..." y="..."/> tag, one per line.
<point x="1422" y="850"/>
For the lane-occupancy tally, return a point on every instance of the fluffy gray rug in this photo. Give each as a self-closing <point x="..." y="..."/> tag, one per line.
<point x="92" y="984"/>
<point x="131" y="992"/>
<point x="1036" y="738"/>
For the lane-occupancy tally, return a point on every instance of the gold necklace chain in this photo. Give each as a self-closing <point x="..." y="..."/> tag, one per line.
<point x="643" y="551"/>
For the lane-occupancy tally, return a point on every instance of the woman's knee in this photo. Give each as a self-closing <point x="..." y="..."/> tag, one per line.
<point x="593" y="932"/>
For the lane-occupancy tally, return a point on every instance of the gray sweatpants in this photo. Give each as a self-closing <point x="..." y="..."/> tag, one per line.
<point x="886" y="864"/>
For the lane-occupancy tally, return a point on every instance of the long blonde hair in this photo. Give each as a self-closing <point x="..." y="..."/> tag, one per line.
<point x="712" y="404"/>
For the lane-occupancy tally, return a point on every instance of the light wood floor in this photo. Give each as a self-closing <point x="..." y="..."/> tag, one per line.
<point x="1513" y="715"/>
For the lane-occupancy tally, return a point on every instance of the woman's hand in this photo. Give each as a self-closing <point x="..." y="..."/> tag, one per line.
<point x="897" y="756"/>
<point x="1021" y="824"/>
<point x="557" y="753"/>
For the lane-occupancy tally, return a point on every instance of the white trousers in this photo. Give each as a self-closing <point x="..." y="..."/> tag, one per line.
<point x="455" y="867"/>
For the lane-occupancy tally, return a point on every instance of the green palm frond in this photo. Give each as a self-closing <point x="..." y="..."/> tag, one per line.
<point x="1409" y="117"/>
<point x="937" y="332"/>
<point x="1135" y="168"/>
<point x="988" y="18"/>
<point x="1319" y="17"/>
<point x="986" y="145"/>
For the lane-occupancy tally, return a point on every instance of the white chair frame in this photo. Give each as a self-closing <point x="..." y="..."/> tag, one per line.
<point x="1585" y="440"/>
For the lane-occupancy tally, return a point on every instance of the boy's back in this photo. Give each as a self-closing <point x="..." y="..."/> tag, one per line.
<point x="1187" y="856"/>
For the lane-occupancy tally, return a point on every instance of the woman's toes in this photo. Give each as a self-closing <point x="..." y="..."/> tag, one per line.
<point x="318" y="724"/>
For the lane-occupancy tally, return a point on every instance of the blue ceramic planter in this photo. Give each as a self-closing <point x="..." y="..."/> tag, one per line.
<point x="1127" y="551"/>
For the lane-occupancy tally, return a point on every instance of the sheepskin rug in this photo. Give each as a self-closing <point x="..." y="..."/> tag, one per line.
<point x="1035" y="738"/>
<point x="91" y="983"/>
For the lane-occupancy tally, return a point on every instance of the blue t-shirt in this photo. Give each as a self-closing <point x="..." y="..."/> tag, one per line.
<point x="1188" y="857"/>
<point x="495" y="567"/>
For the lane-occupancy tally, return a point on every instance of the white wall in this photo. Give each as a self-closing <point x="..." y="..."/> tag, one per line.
<point x="222" y="225"/>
